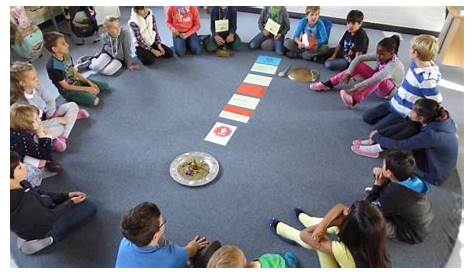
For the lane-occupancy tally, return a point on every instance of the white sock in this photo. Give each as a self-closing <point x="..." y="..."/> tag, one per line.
<point x="371" y="149"/>
<point x="367" y="142"/>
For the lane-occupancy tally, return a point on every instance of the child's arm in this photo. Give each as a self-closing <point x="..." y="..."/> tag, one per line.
<point x="169" y="21"/>
<point x="66" y="86"/>
<point x="41" y="150"/>
<point x="336" y="52"/>
<point x="421" y="140"/>
<point x="50" y="101"/>
<point x="378" y="77"/>
<point x="233" y="21"/>
<point x="285" y="25"/>
<point x="196" y="22"/>
<point x="262" y="19"/>
<point x="323" y="35"/>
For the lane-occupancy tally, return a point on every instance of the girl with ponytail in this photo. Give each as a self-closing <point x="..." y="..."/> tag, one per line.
<point x="385" y="78"/>
<point x="435" y="146"/>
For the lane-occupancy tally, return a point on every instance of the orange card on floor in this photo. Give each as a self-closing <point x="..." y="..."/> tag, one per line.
<point x="252" y="90"/>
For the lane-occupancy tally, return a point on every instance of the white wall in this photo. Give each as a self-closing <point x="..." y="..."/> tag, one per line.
<point x="418" y="17"/>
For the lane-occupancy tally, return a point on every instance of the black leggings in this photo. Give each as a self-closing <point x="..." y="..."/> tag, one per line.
<point x="401" y="130"/>
<point x="148" y="58"/>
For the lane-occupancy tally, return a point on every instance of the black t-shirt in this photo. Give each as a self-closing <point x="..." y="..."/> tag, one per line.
<point x="61" y="70"/>
<point x="350" y="44"/>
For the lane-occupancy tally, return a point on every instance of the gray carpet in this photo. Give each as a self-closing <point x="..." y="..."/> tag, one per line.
<point x="294" y="152"/>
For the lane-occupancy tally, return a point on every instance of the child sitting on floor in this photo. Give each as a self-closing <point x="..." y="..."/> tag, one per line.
<point x="387" y="76"/>
<point x="310" y="38"/>
<point x="29" y="139"/>
<point x="40" y="218"/>
<point x="116" y="49"/>
<point x="435" y="146"/>
<point x="58" y="122"/>
<point x="70" y="83"/>
<point x="360" y="230"/>
<point x="144" y="246"/>
<point x="421" y="81"/>
<point x="353" y="43"/>
<point x="230" y="256"/>
<point x="147" y="41"/>
<point x="402" y="197"/>
<point x="267" y="40"/>
<point x="223" y="28"/>
<point x="184" y="23"/>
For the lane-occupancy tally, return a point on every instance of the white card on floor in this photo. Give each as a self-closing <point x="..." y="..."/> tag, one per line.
<point x="258" y="80"/>
<point x="244" y="101"/>
<point x="390" y="33"/>
<point x="220" y="134"/>
<point x="272" y="26"/>
<point x="234" y="116"/>
<point x="222" y="25"/>
<point x="263" y="68"/>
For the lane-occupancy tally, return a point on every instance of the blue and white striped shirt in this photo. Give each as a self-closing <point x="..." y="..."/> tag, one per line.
<point x="418" y="83"/>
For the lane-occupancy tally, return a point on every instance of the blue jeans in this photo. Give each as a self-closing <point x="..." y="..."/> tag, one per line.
<point x="192" y="43"/>
<point x="337" y="64"/>
<point x="72" y="220"/>
<point x="382" y="116"/>
<point x="277" y="45"/>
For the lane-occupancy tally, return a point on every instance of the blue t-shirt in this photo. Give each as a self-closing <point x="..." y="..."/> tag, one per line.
<point x="414" y="183"/>
<point x="318" y="31"/>
<point x="132" y="256"/>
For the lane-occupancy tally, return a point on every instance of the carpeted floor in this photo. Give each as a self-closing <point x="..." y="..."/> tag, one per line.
<point x="294" y="152"/>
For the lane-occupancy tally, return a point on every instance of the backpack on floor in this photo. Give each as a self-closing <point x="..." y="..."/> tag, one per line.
<point x="83" y="21"/>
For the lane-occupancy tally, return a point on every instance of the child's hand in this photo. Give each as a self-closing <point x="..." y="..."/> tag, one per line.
<point x="183" y="36"/>
<point x="41" y="133"/>
<point x="134" y="67"/>
<point x="157" y="53"/>
<point x="301" y="45"/>
<point x="278" y="36"/>
<point x="345" y="78"/>
<point x="77" y="197"/>
<point x="319" y="233"/>
<point x="161" y="49"/>
<point x="196" y="244"/>
<point x="219" y="40"/>
<point x="229" y="38"/>
<point x="92" y="90"/>
<point x="265" y="32"/>
<point x="62" y="120"/>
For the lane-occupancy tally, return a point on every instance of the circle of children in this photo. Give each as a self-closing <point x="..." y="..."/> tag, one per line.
<point x="410" y="126"/>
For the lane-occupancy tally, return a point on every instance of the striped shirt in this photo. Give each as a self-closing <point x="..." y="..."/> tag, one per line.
<point x="138" y="36"/>
<point x="418" y="83"/>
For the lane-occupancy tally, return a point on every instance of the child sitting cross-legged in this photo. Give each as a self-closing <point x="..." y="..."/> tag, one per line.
<point x="116" y="49"/>
<point x="230" y="256"/>
<point x="357" y="235"/>
<point x="70" y="83"/>
<point x="385" y="78"/>
<point x="310" y="38"/>
<point x="57" y="121"/>
<point x="144" y="245"/>
<point x="353" y="43"/>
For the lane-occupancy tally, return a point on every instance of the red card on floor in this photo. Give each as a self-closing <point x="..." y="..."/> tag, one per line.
<point x="237" y="110"/>
<point x="252" y="90"/>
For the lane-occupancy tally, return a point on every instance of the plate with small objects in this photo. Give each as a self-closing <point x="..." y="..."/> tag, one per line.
<point x="194" y="169"/>
<point x="303" y="75"/>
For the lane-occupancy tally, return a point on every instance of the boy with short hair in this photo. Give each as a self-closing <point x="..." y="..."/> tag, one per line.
<point x="70" y="83"/>
<point x="40" y="218"/>
<point x="116" y="50"/>
<point x="402" y="197"/>
<point x="143" y="245"/>
<point x="421" y="81"/>
<point x="353" y="43"/>
<point x="310" y="38"/>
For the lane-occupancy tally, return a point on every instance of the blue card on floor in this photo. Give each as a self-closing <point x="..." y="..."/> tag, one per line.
<point x="262" y="59"/>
